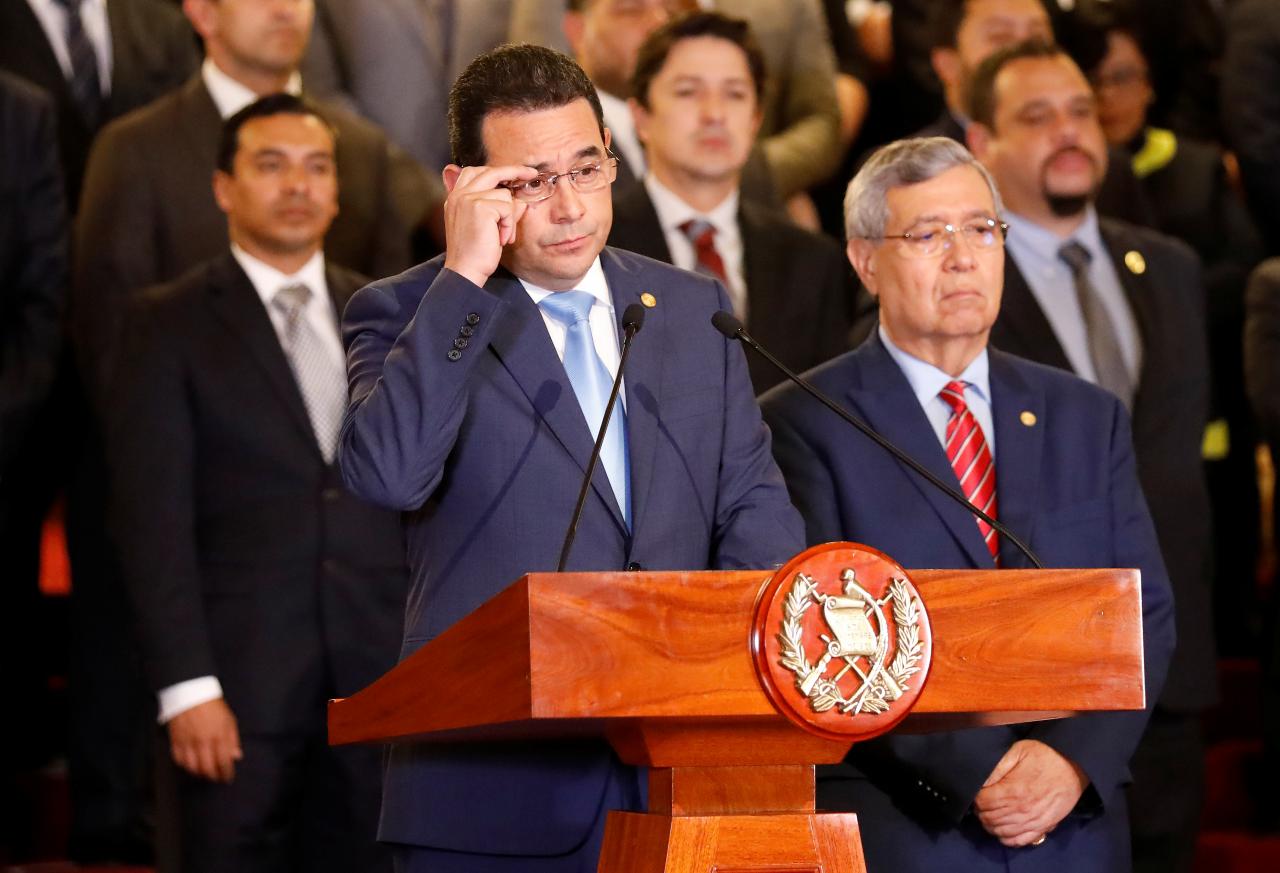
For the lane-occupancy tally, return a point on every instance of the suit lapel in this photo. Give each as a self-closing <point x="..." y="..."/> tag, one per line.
<point x="1019" y="447"/>
<point x="237" y="305"/>
<point x="1022" y="319"/>
<point x="35" y="58"/>
<point x="643" y="380"/>
<point x="1141" y="302"/>
<point x="761" y="263"/>
<point x="640" y="229"/>
<point x="525" y="349"/>
<point x="884" y="397"/>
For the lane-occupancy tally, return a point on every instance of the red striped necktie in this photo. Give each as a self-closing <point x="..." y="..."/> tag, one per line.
<point x="970" y="457"/>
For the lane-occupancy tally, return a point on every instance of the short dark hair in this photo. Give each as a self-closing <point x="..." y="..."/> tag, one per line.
<point x="982" y="88"/>
<point x="512" y="78"/>
<point x="945" y="19"/>
<point x="657" y="47"/>
<point x="272" y="104"/>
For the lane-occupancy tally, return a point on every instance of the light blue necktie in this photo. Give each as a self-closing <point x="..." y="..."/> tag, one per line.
<point x="591" y="383"/>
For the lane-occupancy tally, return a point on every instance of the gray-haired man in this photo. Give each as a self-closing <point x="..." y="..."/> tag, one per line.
<point x="1041" y="450"/>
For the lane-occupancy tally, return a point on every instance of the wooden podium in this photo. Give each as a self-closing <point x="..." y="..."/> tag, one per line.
<point x="662" y="665"/>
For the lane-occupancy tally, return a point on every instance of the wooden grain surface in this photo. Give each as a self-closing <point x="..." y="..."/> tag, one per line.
<point x="607" y="653"/>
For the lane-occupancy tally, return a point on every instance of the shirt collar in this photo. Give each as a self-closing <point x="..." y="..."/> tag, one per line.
<point x="673" y="211"/>
<point x="229" y="95"/>
<point x="1027" y="237"/>
<point x="593" y="283"/>
<point x="267" y="280"/>
<point x="927" y="380"/>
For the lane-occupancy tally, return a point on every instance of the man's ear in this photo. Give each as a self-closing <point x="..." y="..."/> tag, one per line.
<point x="222" y="190"/>
<point x="861" y="254"/>
<point x="978" y="138"/>
<point x="201" y="16"/>
<point x="946" y="64"/>
<point x="640" y="118"/>
<point x="573" y="24"/>
<point x="450" y="176"/>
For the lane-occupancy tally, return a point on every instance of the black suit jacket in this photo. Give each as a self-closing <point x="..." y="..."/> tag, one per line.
<point x="245" y="556"/>
<point x="1120" y="196"/>
<point x="152" y="51"/>
<point x="799" y="286"/>
<point x="148" y="213"/>
<point x="1169" y="413"/>
<point x="33" y="262"/>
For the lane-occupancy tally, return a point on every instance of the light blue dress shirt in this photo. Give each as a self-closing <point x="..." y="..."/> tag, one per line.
<point x="927" y="381"/>
<point x="1035" y="250"/>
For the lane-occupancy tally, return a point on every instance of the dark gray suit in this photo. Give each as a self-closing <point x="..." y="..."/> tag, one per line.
<point x="799" y="286"/>
<point x="152" y="51"/>
<point x="247" y="559"/>
<point x="148" y="213"/>
<point x="1169" y="413"/>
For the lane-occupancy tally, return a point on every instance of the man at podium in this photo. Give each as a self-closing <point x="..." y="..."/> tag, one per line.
<point x="478" y="383"/>
<point x="1037" y="448"/>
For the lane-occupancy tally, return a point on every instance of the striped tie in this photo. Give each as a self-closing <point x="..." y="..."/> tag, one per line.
<point x="970" y="457"/>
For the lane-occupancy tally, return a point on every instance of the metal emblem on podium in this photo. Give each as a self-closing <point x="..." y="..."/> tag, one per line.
<point x="842" y="641"/>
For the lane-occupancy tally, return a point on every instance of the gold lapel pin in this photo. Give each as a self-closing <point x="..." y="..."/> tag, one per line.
<point x="1136" y="263"/>
<point x="1028" y="418"/>
<point x="648" y="300"/>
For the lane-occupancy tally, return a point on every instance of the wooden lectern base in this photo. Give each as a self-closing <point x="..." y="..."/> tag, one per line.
<point x="800" y="843"/>
<point x="731" y="820"/>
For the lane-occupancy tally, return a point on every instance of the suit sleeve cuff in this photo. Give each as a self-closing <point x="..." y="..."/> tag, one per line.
<point x="181" y="696"/>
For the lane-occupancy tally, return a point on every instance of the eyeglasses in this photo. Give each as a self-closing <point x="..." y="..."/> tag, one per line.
<point x="934" y="239"/>
<point x="584" y="179"/>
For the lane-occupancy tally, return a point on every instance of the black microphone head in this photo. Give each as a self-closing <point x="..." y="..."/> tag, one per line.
<point x="728" y="324"/>
<point x="633" y="318"/>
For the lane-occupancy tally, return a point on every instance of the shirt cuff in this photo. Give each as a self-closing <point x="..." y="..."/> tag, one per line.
<point x="178" y="698"/>
<point x="858" y="11"/>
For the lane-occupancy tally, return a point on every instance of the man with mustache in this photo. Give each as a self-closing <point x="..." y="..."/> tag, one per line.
<point x="261" y="587"/>
<point x="1123" y="307"/>
<point x="696" y="104"/>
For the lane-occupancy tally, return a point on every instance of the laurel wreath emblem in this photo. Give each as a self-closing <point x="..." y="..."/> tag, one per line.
<point x="872" y="697"/>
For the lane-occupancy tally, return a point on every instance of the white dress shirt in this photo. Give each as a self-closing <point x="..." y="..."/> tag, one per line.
<point x="320" y="314"/>
<point x="604" y="324"/>
<point x="229" y="95"/>
<point x="93" y="14"/>
<point x="927" y="381"/>
<point x="673" y="212"/>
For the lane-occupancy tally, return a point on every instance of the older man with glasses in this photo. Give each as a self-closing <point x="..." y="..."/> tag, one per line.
<point x="1039" y="449"/>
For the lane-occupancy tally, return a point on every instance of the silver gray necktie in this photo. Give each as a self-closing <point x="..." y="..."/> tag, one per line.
<point x="322" y="382"/>
<point x="1104" y="342"/>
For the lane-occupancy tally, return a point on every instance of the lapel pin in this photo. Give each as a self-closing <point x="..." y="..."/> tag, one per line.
<point x="1136" y="263"/>
<point x="1028" y="418"/>
<point x="648" y="300"/>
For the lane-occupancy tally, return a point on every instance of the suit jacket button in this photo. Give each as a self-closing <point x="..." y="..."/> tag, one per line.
<point x="633" y="566"/>
<point x="473" y="319"/>
<point x="466" y="330"/>
<point x="329" y="565"/>
<point x="460" y="342"/>
<point x="454" y="354"/>
<point x="331" y="495"/>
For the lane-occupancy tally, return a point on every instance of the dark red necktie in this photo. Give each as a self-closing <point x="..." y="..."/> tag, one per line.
<point x="703" y="236"/>
<point x="970" y="457"/>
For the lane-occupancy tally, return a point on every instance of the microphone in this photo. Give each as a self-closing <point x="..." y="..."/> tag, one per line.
<point x="632" y="321"/>
<point x="732" y="328"/>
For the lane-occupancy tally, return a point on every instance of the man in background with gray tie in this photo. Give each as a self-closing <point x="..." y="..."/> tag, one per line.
<point x="1123" y="307"/>
<point x="262" y="588"/>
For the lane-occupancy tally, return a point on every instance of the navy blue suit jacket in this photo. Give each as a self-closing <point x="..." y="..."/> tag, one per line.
<point x="482" y="445"/>
<point x="1067" y="484"/>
